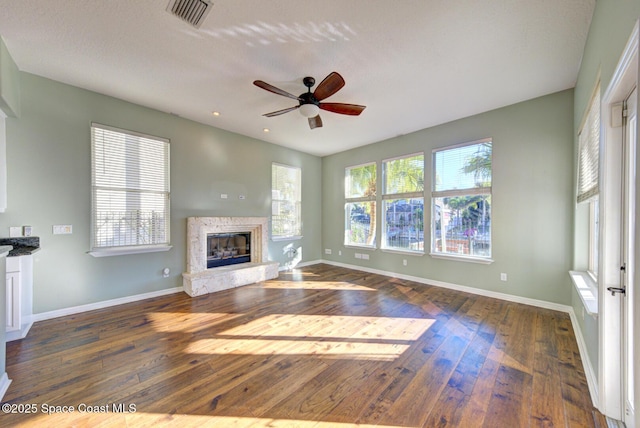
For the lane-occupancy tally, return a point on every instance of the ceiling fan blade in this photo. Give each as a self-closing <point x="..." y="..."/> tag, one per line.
<point x="279" y="112"/>
<point x="329" y="86"/>
<point x="350" y="109"/>
<point x="315" y="122"/>
<point x="271" y="88"/>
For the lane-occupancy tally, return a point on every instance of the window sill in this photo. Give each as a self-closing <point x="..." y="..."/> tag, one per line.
<point x="461" y="258"/>
<point x="361" y="247"/>
<point x="128" y="250"/>
<point x="587" y="289"/>
<point x="405" y="252"/>
<point x="286" y="238"/>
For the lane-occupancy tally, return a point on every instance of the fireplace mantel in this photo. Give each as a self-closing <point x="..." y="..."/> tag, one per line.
<point x="199" y="280"/>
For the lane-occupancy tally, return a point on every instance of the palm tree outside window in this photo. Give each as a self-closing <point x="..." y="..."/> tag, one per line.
<point x="360" y="205"/>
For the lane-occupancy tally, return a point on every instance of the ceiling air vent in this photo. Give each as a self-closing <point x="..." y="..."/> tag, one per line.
<point x="192" y="11"/>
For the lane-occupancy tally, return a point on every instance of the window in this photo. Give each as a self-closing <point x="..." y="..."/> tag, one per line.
<point x="589" y="173"/>
<point x="403" y="203"/>
<point x="594" y="232"/>
<point x="360" y="205"/>
<point x="461" y="201"/>
<point x="130" y="192"/>
<point x="286" y="201"/>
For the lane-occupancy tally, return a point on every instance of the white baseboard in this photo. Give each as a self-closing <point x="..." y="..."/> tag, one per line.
<point x="104" y="304"/>
<point x="301" y="264"/>
<point x="590" y="373"/>
<point x="592" y="379"/>
<point x="19" y="334"/>
<point x="4" y="384"/>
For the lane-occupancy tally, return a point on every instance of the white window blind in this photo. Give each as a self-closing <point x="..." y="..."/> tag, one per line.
<point x="286" y="201"/>
<point x="404" y="175"/>
<point x="360" y="182"/>
<point x="130" y="189"/>
<point x="466" y="169"/>
<point x="589" y="151"/>
<point x="403" y="203"/>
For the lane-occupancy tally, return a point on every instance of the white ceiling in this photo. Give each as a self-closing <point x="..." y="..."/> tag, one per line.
<point x="413" y="63"/>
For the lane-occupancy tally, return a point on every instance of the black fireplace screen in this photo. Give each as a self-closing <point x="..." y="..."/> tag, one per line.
<point x="225" y="249"/>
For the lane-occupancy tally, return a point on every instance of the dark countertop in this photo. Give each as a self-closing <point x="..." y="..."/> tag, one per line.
<point x="23" y="246"/>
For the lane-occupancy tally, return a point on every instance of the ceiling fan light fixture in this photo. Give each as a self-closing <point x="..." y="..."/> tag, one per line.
<point x="309" y="110"/>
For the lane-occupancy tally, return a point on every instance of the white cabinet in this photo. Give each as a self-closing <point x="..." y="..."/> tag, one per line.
<point x="13" y="301"/>
<point x="19" y="296"/>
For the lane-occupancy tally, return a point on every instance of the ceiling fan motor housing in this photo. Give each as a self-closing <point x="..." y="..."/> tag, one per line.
<point x="309" y="105"/>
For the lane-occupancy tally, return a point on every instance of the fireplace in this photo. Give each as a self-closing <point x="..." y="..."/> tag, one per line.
<point x="224" y="249"/>
<point x="214" y="240"/>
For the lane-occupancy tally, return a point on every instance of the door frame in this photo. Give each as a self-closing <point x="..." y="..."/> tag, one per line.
<point x="610" y="373"/>
<point x="628" y="250"/>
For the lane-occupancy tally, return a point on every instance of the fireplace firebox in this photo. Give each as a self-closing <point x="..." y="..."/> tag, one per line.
<point x="224" y="249"/>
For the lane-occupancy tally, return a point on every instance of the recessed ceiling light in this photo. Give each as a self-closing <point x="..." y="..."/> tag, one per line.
<point x="265" y="130"/>
<point x="215" y="113"/>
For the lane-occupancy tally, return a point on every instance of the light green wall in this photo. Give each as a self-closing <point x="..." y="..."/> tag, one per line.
<point x="9" y="83"/>
<point x="611" y="26"/>
<point x="532" y="205"/>
<point x="48" y="151"/>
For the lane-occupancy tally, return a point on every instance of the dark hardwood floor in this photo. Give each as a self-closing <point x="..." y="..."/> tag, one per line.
<point x="319" y="346"/>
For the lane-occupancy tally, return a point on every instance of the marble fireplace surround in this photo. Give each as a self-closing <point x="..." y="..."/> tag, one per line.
<point x="199" y="280"/>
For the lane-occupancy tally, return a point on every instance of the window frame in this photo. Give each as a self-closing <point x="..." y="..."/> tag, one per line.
<point x="594" y="237"/>
<point x="116" y="250"/>
<point x="417" y="194"/>
<point x="297" y="203"/>
<point x="589" y="156"/>
<point x="359" y="199"/>
<point x="472" y="191"/>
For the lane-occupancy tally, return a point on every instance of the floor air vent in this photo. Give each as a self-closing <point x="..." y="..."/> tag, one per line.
<point x="192" y="11"/>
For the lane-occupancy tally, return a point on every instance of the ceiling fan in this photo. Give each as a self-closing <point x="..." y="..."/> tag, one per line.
<point x="310" y="103"/>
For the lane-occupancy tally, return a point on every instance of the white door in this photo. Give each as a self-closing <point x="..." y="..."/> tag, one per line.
<point x="627" y="266"/>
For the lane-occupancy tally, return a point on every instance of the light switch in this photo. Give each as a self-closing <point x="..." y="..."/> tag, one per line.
<point x="62" y="229"/>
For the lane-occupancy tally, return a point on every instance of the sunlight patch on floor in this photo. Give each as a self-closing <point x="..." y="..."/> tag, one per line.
<point x="317" y="285"/>
<point x="144" y="419"/>
<point x="333" y="326"/>
<point x="370" y="338"/>
<point x="324" y="348"/>
<point x="158" y="420"/>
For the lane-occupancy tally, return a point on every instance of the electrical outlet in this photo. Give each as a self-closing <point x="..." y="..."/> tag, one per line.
<point x="404" y="262"/>
<point x="223" y="196"/>
<point x="503" y="276"/>
<point x="365" y="257"/>
<point x="327" y="251"/>
<point x="339" y="252"/>
<point x="15" y="231"/>
<point x="358" y="256"/>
